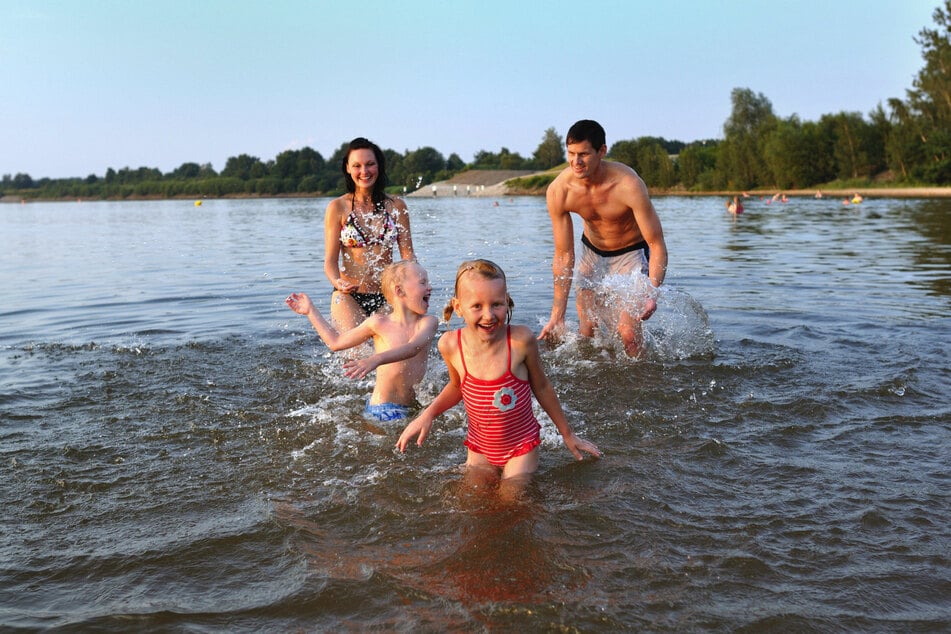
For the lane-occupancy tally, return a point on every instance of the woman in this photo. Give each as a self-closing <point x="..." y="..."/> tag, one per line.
<point x="360" y="230"/>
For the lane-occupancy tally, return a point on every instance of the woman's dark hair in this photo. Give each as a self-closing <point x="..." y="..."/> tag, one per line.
<point x="379" y="187"/>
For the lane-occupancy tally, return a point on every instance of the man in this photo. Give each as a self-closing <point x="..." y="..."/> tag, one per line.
<point x="622" y="234"/>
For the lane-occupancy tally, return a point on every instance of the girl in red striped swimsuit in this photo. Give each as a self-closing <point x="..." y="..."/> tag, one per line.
<point x="494" y="368"/>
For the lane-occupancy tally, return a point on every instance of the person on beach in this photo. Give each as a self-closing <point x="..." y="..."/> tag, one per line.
<point x="402" y="339"/>
<point x="622" y="234"/>
<point x="494" y="368"/>
<point x="361" y="229"/>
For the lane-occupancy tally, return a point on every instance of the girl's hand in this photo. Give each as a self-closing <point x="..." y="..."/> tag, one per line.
<point x="419" y="427"/>
<point x="299" y="303"/>
<point x="577" y="445"/>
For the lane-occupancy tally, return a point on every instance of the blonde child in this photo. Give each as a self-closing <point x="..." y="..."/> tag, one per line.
<point x="401" y="339"/>
<point x="494" y="368"/>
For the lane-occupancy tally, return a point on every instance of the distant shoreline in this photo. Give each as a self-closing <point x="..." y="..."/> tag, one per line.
<point x="445" y="189"/>
<point x="865" y="192"/>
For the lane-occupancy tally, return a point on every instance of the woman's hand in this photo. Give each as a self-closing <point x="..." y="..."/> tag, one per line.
<point x="344" y="286"/>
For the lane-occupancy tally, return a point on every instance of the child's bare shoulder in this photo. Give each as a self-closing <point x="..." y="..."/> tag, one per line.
<point x="447" y="341"/>
<point x="524" y="343"/>
<point x="377" y="322"/>
<point x="521" y="334"/>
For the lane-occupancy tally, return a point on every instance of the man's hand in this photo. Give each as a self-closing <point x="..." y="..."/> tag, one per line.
<point x="553" y="332"/>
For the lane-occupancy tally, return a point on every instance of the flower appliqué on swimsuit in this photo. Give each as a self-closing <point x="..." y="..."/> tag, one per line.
<point x="504" y="399"/>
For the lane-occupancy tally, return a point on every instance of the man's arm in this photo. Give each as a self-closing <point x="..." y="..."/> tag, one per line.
<point x="651" y="231"/>
<point x="563" y="261"/>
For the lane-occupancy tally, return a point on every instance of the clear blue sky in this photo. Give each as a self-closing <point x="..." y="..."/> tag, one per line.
<point x="87" y="85"/>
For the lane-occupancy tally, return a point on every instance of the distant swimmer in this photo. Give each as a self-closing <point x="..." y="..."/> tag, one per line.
<point x="734" y="206"/>
<point x="856" y="199"/>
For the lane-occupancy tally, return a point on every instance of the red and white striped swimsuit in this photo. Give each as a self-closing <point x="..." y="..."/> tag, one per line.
<point x="502" y="424"/>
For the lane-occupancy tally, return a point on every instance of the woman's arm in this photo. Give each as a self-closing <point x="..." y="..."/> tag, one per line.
<point x="332" y="224"/>
<point x="449" y="397"/>
<point x="404" y="238"/>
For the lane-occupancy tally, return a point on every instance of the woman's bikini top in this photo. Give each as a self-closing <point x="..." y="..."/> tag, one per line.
<point x="351" y="235"/>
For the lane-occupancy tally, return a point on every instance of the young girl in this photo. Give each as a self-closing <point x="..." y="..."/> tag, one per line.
<point x="494" y="368"/>
<point x="401" y="339"/>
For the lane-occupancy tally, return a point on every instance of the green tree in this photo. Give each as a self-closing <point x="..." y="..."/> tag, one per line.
<point x="509" y="160"/>
<point x="794" y="154"/>
<point x="697" y="161"/>
<point x="485" y="160"/>
<point x="854" y="145"/>
<point x="625" y="151"/>
<point x="186" y="171"/>
<point x="550" y="152"/>
<point x="649" y="158"/>
<point x="286" y="165"/>
<point x="23" y="181"/>
<point x="244" y="167"/>
<point x="930" y="97"/>
<point x="741" y="156"/>
<point x="455" y="163"/>
<point x="425" y="162"/>
<point x="657" y="167"/>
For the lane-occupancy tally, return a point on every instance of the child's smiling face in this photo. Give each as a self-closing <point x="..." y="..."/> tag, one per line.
<point x="483" y="304"/>
<point x="417" y="288"/>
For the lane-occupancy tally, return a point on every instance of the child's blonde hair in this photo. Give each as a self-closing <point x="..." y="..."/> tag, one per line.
<point x="392" y="276"/>
<point x="488" y="270"/>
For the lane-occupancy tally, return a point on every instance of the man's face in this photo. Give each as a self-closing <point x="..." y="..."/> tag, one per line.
<point x="584" y="159"/>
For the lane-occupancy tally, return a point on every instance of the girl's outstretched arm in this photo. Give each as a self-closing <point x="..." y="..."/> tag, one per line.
<point x="545" y="395"/>
<point x="420" y="426"/>
<point x="447" y="398"/>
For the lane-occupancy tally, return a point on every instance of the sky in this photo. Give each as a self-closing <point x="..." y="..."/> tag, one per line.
<point x="85" y="86"/>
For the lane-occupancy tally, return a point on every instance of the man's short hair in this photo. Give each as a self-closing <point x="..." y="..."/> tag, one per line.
<point x="586" y="130"/>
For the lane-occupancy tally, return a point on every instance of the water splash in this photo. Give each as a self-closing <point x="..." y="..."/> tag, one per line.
<point x="679" y="329"/>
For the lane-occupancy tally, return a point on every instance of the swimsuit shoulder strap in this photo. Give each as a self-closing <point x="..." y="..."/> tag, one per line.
<point x="508" y="340"/>
<point x="462" y="357"/>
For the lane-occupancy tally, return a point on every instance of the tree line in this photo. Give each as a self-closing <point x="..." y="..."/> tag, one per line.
<point x="907" y="141"/>
<point x="303" y="171"/>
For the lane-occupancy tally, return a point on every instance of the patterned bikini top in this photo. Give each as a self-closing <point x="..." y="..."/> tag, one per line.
<point x="351" y="235"/>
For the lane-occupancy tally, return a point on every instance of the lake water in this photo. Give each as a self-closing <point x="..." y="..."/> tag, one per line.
<point x="179" y="451"/>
